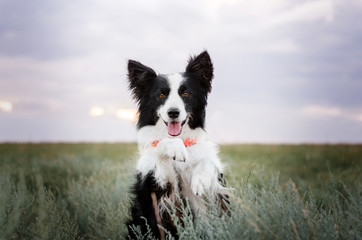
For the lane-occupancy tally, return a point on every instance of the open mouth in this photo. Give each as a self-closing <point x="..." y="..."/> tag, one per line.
<point x="175" y="128"/>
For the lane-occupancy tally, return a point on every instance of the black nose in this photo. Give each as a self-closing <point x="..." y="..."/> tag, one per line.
<point x="173" y="113"/>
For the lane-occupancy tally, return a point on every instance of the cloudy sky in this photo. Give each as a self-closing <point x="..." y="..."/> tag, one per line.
<point x="285" y="71"/>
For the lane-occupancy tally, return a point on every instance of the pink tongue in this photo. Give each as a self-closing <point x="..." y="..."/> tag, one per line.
<point x="174" y="128"/>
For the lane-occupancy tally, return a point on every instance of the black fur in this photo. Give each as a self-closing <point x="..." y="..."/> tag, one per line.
<point x="196" y="103"/>
<point x="201" y="68"/>
<point x="146" y="86"/>
<point x="142" y="207"/>
<point x="140" y="77"/>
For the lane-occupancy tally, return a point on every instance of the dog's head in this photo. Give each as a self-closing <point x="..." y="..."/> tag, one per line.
<point x="175" y="99"/>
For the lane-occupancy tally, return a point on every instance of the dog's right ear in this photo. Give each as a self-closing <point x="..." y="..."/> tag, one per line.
<point x="139" y="77"/>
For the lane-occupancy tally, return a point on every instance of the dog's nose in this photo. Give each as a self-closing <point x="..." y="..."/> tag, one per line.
<point x="173" y="113"/>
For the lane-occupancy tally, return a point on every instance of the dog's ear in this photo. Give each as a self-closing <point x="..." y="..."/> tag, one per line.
<point x="139" y="77"/>
<point x="201" y="67"/>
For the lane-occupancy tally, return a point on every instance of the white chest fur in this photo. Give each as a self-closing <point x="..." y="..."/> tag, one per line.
<point x="191" y="170"/>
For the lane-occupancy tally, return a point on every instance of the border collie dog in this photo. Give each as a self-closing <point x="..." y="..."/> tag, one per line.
<point x="177" y="161"/>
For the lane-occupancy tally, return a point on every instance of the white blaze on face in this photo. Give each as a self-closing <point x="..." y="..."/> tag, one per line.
<point x="173" y="102"/>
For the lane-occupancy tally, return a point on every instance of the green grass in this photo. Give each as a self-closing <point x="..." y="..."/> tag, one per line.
<point x="309" y="166"/>
<point x="80" y="191"/>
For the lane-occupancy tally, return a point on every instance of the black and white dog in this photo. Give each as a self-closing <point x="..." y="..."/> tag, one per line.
<point x="177" y="160"/>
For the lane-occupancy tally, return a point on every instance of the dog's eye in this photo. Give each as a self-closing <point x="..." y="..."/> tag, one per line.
<point x="185" y="94"/>
<point x="161" y="95"/>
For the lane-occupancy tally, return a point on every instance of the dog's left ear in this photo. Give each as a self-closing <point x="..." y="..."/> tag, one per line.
<point x="201" y="67"/>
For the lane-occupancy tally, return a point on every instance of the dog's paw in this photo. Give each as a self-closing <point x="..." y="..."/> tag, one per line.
<point x="172" y="149"/>
<point x="199" y="183"/>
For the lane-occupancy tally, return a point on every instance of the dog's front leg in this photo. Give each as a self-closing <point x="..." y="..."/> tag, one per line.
<point x="206" y="169"/>
<point x="169" y="151"/>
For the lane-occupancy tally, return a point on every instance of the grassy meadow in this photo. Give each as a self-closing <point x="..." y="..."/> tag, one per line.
<point x="80" y="191"/>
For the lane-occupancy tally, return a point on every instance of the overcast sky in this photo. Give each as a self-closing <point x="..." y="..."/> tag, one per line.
<point x="285" y="71"/>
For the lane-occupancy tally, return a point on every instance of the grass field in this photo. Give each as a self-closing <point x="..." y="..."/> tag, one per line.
<point x="80" y="191"/>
